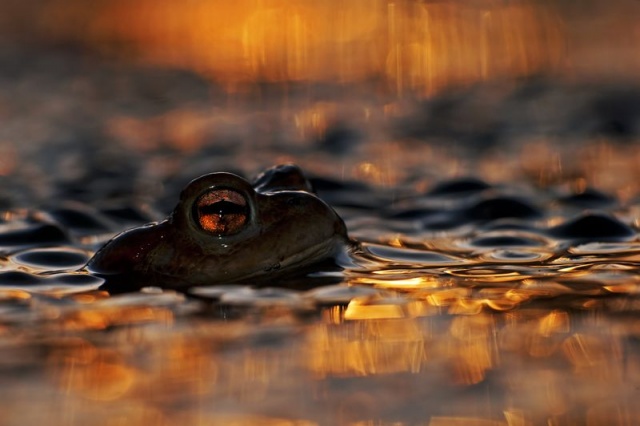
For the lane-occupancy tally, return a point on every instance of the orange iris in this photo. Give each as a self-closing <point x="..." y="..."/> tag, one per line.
<point x="221" y="211"/>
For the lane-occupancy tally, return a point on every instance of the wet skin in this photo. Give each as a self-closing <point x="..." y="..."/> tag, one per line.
<point x="226" y="230"/>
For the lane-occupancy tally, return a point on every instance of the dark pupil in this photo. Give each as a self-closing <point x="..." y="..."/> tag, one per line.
<point x="222" y="208"/>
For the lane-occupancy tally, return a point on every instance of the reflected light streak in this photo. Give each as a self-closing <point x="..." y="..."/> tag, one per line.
<point x="465" y="421"/>
<point x="99" y="319"/>
<point x="555" y="322"/>
<point x="591" y="353"/>
<point x="448" y="296"/>
<point x="372" y="308"/>
<point x="366" y="348"/>
<point x="472" y="348"/>
<point x="425" y="281"/>
<point x="95" y="373"/>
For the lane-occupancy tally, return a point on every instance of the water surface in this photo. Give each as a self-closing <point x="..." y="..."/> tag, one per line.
<point x="496" y="281"/>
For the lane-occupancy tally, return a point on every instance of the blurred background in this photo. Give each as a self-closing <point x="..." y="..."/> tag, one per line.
<point x="404" y="46"/>
<point x="409" y="91"/>
<point x="114" y="102"/>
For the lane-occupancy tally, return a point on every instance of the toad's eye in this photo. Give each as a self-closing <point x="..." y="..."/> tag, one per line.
<point x="221" y="211"/>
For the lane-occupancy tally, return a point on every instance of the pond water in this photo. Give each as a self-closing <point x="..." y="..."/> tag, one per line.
<point x="496" y="280"/>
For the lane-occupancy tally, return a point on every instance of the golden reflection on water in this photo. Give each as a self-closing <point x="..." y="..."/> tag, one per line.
<point x="524" y="367"/>
<point x="400" y="354"/>
<point x="368" y="348"/>
<point x="95" y="373"/>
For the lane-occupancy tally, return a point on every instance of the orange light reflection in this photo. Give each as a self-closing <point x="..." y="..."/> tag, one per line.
<point x="408" y="45"/>
<point x="367" y="347"/>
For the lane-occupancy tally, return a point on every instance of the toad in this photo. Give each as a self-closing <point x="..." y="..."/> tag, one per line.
<point x="227" y="230"/>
